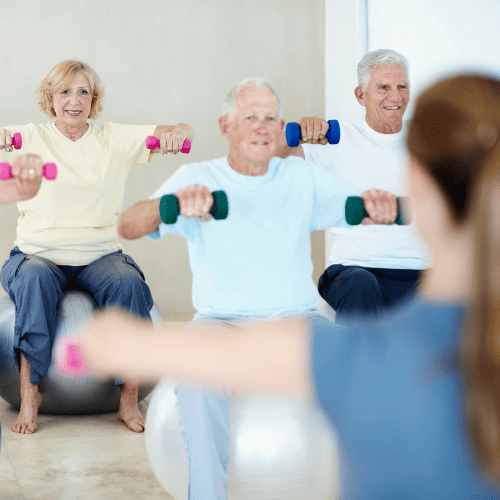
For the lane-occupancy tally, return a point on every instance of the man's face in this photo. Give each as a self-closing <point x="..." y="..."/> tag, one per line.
<point x="386" y="98"/>
<point x="253" y="128"/>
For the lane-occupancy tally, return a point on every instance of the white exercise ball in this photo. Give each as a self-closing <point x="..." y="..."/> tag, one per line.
<point x="280" y="448"/>
<point x="62" y="392"/>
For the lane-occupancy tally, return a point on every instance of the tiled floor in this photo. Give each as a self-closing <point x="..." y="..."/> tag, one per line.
<point x="91" y="457"/>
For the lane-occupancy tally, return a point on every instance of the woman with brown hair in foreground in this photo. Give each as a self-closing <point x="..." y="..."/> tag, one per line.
<point x="415" y="396"/>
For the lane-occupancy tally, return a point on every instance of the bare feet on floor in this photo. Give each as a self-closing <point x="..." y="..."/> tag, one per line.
<point x="27" y="421"/>
<point x="128" y="411"/>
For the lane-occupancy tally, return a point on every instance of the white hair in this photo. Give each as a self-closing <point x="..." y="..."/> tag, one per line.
<point x="255" y="81"/>
<point x="375" y="58"/>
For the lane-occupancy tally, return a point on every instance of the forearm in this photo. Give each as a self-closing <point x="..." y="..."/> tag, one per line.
<point x="260" y="357"/>
<point x="141" y="219"/>
<point x="9" y="192"/>
<point x="283" y="150"/>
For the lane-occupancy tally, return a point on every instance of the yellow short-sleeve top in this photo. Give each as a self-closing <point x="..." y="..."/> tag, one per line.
<point x="72" y="220"/>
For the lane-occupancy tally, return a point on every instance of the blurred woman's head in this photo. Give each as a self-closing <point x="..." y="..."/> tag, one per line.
<point x="454" y="135"/>
<point x="454" y="180"/>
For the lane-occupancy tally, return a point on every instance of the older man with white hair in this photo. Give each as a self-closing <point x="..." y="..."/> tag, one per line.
<point x="370" y="269"/>
<point x="254" y="264"/>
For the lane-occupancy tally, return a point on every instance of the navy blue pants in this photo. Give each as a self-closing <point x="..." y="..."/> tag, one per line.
<point x="36" y="285"/>
<point x="354" y="291"/>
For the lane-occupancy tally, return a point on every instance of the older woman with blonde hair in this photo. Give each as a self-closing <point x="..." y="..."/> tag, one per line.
<point x="414" y="396"/>
<point x="66" y="234"/>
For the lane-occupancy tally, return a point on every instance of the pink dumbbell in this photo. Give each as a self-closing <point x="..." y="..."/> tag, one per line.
<point x="153" y="142"/>
<point x="70" y="358"/>
<point x="49" y="171"/>
<point x="17" y="141"/>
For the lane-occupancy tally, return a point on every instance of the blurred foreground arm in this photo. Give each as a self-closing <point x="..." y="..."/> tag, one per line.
<point x="258" y="357"/>
<point x="27" y="175"/>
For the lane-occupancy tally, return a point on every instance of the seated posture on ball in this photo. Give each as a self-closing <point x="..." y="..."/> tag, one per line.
<point x="66" y="235"/>
<point x="26" y="179"/>
<point x="415" y="398"/>
<point x="370" y="269"/>
<point x="254" y="264"/>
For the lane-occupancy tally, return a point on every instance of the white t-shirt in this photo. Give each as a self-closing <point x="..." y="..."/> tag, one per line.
<point x="368" y="159"/>
<point x="72" y="219"/>
<point x="257" y="261"/>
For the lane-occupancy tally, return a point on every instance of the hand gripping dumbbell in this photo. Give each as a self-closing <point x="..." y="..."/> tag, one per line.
<point x="17" y="141"/>
<point x="355" y="211"/>
<point x="169" y="207"/>
<point x="293" y="135"/>
<point x="49" y="171"/>
<point x="153" y="142"/>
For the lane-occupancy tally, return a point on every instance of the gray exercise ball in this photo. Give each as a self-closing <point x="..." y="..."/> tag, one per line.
<point x="280" y="449"/>
<point x="62" y="393"/>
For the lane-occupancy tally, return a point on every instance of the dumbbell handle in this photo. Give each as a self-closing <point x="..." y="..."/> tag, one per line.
<point x="17" y="141"/>
<point x="49" y="171"/>
<point x="153" y="142"/>
<point x="169" y="207"/>
<point x="355" y="211"/>
<point x="294" y="136"/>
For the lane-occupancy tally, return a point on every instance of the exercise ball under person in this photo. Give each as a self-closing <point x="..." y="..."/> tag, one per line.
<point x="281" y="449"/>
<point x="62" y="392"/>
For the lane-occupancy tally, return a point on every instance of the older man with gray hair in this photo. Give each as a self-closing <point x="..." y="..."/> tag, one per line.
<point x="254" y="264"/>
<point x="370" y="269"/>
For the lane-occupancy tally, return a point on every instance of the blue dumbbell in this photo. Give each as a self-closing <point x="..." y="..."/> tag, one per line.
<point x="293" y="135"/>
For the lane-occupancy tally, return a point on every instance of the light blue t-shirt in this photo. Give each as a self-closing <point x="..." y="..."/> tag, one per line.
<point x="257" y="262"/>
<point x="393" y="391"/>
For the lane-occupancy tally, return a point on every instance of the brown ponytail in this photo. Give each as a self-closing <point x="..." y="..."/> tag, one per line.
<point x="455" y="134"/>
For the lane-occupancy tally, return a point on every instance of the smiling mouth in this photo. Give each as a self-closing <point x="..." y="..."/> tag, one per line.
<point x="73" y="113"/>
<point x="392" y="108"/>
<point x="260" y="143"/>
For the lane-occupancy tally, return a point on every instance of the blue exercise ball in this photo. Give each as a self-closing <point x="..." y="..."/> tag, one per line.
<point x="281" y="448"/>
<point x="62" y="393"/>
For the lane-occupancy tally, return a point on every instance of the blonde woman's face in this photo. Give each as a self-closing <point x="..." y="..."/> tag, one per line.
<point x="72" y="105"/>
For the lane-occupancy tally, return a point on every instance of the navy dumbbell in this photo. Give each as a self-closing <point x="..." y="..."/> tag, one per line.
<point x="355" y="211"/>
<point x="169" y="207"/>
<point x="293" y="135"/>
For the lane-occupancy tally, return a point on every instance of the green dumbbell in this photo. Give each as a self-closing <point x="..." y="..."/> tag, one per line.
<point x="169" y="207"/>
<point x="355" y="211"/>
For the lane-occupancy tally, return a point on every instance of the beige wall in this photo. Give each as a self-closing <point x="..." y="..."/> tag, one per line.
<point x="163" y="62"/>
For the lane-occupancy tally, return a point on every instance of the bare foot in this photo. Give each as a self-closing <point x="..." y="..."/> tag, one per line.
<point x="128" y="411"/>
<point x="27" y="421"/>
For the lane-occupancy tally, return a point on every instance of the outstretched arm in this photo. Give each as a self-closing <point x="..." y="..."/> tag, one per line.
<point x="144" y="217"/>
<point x="139" y="220"/>
<point x="258" y="357"/>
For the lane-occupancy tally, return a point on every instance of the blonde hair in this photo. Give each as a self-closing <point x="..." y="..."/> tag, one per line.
<point x="60" y="77"/>
<point x="455" y="135"/>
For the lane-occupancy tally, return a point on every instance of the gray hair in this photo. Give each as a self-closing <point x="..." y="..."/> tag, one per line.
<point x="375" y="58"/>
<point x="255" y="81"/>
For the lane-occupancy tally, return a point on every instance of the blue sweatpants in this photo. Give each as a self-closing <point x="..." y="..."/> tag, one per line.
<point x="204" y="419"/>
<point x="36" y="285"/>
<point x="365" y="292"/>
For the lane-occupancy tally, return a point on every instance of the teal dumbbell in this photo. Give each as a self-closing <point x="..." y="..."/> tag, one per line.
<point x="169" y="207"/>
<point x="355" y="211"/>
<point x="294" y="136"/>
